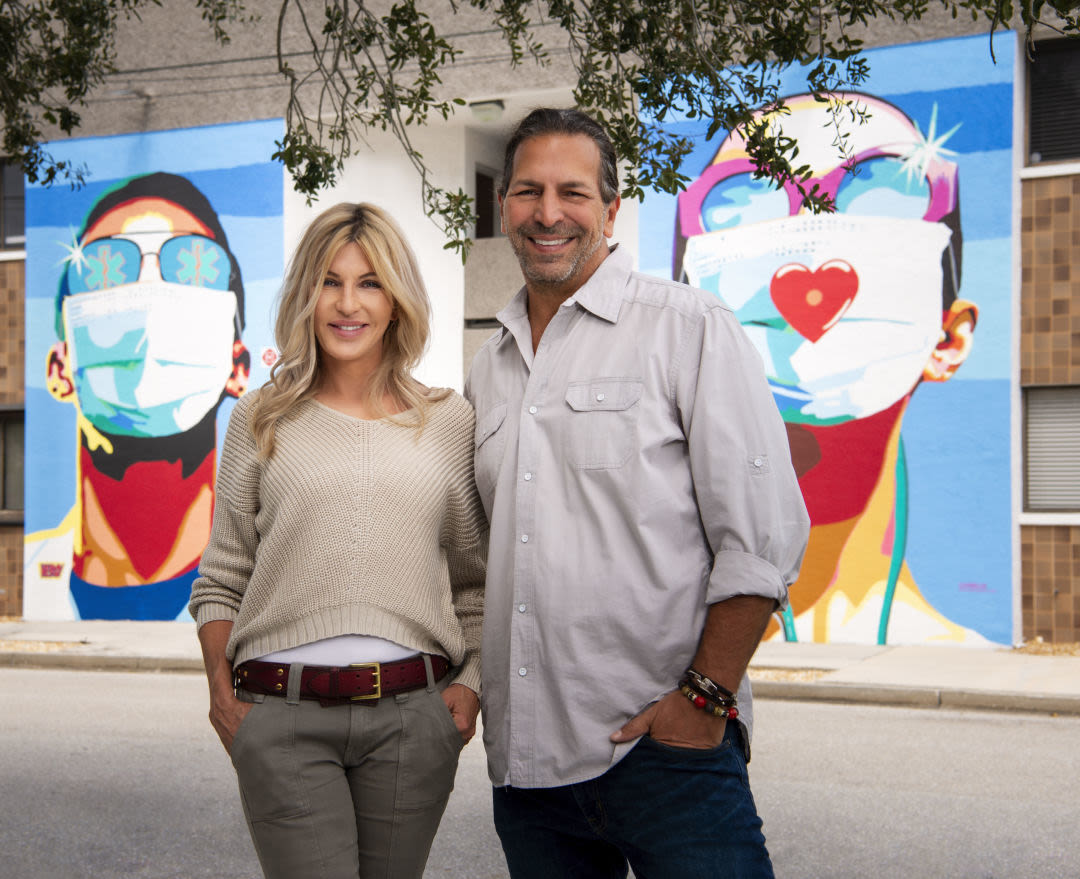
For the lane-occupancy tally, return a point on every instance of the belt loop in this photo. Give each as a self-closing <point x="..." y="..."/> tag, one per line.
<point x="292" y="695"/>
<point x="430" y="673"/>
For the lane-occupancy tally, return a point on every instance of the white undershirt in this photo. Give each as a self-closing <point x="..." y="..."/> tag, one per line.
<point x="343" y="650"/>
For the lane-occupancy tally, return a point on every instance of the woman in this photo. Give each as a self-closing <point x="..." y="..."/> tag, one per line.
<point x="341" y="591"/>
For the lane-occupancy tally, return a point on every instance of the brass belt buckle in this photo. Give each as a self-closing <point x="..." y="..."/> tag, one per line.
<point x="376" y="677"/>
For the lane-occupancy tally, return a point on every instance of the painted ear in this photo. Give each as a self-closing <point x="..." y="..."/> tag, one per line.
<point x="58" y="374"/>
<point x="957" y="332"/>
<point x="241" y="371"/>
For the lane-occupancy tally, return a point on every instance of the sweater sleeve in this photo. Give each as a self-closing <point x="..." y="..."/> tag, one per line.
<point x="229" y="558"/>
<point x="466" y="535"/>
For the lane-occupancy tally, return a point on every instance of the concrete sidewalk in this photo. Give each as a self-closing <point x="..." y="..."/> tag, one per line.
<point x="996" y="678"/>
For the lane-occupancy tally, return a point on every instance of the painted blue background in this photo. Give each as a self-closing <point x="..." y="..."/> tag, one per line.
<point x="957" y="434"/>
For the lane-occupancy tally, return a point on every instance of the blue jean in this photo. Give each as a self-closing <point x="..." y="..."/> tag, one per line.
<point x="670" y="813"/>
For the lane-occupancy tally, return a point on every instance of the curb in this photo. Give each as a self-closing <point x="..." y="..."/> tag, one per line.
<point x="798" y="691"/>
<point x="917" y="697"/>
<point x="97" y="662"/>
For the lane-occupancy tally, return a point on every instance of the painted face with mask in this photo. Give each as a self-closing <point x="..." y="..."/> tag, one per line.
<point x="846" y="309"/>
<point x="150" y="320"/>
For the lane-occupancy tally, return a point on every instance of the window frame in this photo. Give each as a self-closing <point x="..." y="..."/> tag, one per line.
<point x="11" y="414"/>
<point x="1058" y="46"/>
<point x="1047" y="447"/>
<point x="19" y="244"/>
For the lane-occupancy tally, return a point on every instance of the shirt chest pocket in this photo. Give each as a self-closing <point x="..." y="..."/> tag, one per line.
<point x="602" y="429"/>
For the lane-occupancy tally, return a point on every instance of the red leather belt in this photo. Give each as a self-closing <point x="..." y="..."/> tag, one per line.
<point x="363" y="683"/>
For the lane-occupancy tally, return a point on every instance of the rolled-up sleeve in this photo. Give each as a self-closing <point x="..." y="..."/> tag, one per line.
<point x="229" y="558"/>
<point x="747" y="493"/>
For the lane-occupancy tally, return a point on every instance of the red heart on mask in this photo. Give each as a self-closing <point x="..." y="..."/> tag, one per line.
<point x="813" y="301"/>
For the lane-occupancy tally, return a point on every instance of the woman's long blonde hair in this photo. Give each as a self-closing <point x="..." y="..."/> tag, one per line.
<point x="295" y="376"/>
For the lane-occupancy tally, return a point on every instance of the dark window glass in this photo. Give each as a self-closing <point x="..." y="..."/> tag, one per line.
<point x="11" y="461"/>
<point x="1054" y="101"/>
<point x="486" y="218"/>
<point x="12" y="232"/>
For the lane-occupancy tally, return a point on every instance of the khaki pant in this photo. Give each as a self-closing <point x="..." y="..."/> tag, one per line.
<point x="346" y="791"/>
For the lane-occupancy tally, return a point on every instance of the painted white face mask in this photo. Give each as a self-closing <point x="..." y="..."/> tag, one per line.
<point x="845" y="311"/>
<point x="150" y="359"/>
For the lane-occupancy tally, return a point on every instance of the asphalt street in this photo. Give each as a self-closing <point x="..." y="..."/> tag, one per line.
<point x="107" y="774"/>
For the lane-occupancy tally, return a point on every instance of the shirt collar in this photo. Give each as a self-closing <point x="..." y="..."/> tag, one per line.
<point x="601" y="295"/>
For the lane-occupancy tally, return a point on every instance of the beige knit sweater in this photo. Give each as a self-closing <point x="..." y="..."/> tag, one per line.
<point x="351" y="527"/>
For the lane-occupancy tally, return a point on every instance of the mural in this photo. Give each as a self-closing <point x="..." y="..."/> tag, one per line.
<point x="866" y="319"/>
<point x="141" y="289"/>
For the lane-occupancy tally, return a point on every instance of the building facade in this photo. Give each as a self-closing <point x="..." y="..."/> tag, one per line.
<point x="923" y="344"/>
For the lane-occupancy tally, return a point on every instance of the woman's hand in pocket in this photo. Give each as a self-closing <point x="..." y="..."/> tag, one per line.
<point x="226" y="714"/>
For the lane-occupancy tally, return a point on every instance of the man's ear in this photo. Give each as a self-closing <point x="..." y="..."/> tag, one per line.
<point x="241" y="370"/>
<point x="957" y="332"/>
<point x="58" y="374"/>
<point x="502" y="220"/>
<point x="609" y="216"/>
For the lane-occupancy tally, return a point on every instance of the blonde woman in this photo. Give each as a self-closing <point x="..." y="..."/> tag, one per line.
<point x="340" y="599"/>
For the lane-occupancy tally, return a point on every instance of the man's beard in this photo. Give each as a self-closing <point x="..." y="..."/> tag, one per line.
<point x="539" y="271"/>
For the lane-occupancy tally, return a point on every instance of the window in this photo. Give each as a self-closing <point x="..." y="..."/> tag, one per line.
<point x="12" y="231"/>
<point x="1054" y="101"/>
<point x="11" y="466"/>
<point x="487" y="205"/>
<point x="1052" y="448"/>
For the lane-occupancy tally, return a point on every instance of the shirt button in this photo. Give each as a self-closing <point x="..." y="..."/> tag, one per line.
<point x="524" y="538"/>
<point x="532" y="410"/>
<point x="758" y="462"/>
<point x="523" y="671"/>
<point x="521" y="608"/>
<point x="528" y="477"/>
<point x="600" y="398"/>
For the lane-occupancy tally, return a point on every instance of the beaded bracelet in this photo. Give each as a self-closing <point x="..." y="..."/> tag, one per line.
<point x="725" y="709"/>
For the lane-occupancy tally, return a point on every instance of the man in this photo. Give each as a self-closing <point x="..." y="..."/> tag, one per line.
<point x="850" y="312"/>
<point x="149" y="314"/>
<point x="645" y="520"/>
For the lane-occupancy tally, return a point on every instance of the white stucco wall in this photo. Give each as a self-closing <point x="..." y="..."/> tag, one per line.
<point x="383" y="176"/>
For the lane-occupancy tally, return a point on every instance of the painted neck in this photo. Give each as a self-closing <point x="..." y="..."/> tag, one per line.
<point x="842" y="466"/>
<point x="143" y="520"/>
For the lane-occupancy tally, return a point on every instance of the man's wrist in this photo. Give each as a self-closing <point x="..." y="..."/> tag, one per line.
<point x="707" y="685"/>
<point x="707" y="695"/>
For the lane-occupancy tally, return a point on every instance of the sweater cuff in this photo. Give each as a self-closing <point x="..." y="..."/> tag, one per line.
<point x="469" y="672"/>
<point x="210" y="612"/>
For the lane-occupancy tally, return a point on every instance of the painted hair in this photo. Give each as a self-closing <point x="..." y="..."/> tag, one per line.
<point x="569" y="121"/>
<point x="295" y="376"/>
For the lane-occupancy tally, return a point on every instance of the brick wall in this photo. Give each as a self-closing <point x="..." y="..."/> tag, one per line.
<point x="13" y="332"/>
<point x="1050" y="355"/>
<point x="11" y="574"/>
<point x="1050" y="599"/>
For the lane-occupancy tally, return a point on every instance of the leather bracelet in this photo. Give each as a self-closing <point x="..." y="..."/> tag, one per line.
<point x="707" y="685"/>
<point x="725" y="709"/>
